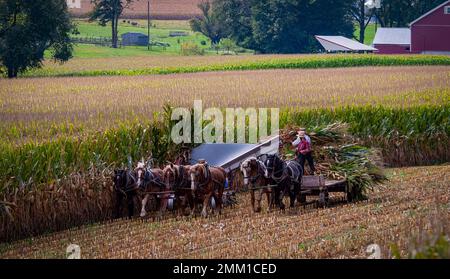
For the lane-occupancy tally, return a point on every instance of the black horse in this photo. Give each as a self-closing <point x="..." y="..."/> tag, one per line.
<point x="287" y="175"/>
<point x="126" y="188"/>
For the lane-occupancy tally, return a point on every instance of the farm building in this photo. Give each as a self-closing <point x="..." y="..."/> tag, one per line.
<point x="430" y="33"/>
<point x="74" y="4"/>
<point x="134" y="39"/>
<point x="342" y="44"/>
<point x="392" y="40"/>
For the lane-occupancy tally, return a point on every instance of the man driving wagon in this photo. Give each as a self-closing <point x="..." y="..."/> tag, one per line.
<point x="304" y="150"/>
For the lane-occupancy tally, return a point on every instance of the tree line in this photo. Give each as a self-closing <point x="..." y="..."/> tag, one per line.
<point x="289" y="26"/>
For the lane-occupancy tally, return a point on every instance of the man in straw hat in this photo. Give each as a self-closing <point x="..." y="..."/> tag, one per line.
<point x="304" y="151"/>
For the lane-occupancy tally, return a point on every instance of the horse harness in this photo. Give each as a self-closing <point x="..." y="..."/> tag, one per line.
<point x="150" y="177"/>
<point x="128" y="176"/>
<point x="296" y="170"/>
<point x="208" y="179"/>
<point x="291" y="166"/>
<point x="283" y="171"/>
<point x="179" y="177"/>
<point x="259" y="173"/>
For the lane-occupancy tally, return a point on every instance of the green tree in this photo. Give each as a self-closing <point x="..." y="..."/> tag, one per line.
<point x="228" y="45"/>
<point x="362" y="16"/>
<point x="235" y="17"/>
<point x="289" y="26"/>
<point x="106" y="11"/>
<point x="28" y="28"/>
<point x="208" y="23"/>
<point x="283" y="26"/>
<point x="399" y="13"/>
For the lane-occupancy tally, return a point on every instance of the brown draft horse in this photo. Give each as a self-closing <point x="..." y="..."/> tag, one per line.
<point x="253" y="171"/>
<point x="176" y="177"/>
<point x="206" y="183"/>
<point x="150" y="181"/>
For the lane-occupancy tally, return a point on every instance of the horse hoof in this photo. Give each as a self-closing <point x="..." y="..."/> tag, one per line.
<point x="258" y="210"/>
<point x="204" y="214"/>
<point x="143" y="214"/>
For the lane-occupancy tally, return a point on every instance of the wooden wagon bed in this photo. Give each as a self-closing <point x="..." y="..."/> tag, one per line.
<point x="317" y="185"/>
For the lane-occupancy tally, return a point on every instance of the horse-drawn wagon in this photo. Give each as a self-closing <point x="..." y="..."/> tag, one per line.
<point x="318" y="185"/>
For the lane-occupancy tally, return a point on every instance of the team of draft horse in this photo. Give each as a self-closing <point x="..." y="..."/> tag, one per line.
<point x="200" y="185"/>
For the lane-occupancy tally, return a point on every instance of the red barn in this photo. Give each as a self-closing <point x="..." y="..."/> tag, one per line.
<point x="430" y="33"/>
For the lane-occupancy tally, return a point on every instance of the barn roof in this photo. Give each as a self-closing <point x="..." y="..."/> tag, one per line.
<point x="430" y="12"/>
<point x="340" y="43"/>
<point x="392" y="36"/>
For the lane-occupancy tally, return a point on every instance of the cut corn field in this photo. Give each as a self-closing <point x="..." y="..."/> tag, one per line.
<point x="408" y="206"/>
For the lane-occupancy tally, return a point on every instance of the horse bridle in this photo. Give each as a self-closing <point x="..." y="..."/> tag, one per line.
<point x="253" y="179"/>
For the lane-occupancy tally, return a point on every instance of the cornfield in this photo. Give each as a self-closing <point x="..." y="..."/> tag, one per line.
<point x="151" y="66"/>
<point x="61" y="137"/>
<point x="410" y="136"/>
<point x="42" y="109"/>
<point x="405" y="210"/>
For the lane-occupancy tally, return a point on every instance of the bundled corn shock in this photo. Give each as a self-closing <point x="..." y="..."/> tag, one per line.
<point x="338" y="156"/>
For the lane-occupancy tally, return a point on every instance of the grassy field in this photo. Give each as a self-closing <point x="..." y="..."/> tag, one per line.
<point x="369" y="34"/>
<point x="159" y="32"/>
<point x="41" y="109"/>
<point x="409" y="210"/>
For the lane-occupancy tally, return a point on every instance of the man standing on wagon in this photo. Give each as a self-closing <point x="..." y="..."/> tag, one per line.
<point x="304" y="151"/>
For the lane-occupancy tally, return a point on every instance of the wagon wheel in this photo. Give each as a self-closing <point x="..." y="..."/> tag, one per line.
<point x="350" y="194"/>
<point x="349" y="197"/>
<point x="302" y="198"/>
<point x="153" y="203"/>
<point x="324" y="198"/>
